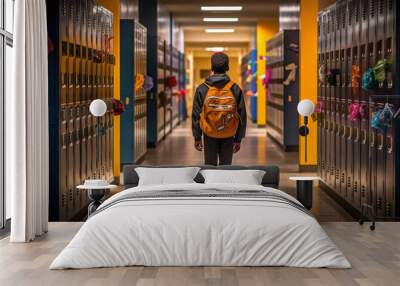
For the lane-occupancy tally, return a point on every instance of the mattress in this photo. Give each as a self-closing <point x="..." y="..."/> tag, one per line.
<point x="201" y="225"/>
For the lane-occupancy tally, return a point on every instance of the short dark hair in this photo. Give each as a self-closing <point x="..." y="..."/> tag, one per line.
<point x="219" y="63"/>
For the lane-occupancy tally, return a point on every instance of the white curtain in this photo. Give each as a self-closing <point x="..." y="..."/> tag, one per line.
<point x="27" y="124"/>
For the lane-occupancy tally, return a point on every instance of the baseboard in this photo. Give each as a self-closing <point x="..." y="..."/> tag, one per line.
<point x="356" y="214"/>
<point x="307" y="168"/>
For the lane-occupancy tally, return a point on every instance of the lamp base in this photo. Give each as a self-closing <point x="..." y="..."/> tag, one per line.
<point x="303" y="130"/>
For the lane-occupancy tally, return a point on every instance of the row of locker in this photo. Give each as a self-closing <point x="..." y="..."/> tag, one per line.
<point x="140" y="62"/>
<point x="170" y="64"/>
<point x="86" y="42"/>
<point x="357" y="33"/>
<point x="283" y="94"/>
<point x="133" y="67"/>
<point x="162" y="100"/>
<point x="354" y="160"/>
<point x="84" y="153"/>
<point x="80" y="70"/>
<point x="175" y="71"/>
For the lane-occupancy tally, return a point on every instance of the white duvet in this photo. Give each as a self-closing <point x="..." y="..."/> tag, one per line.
<point x="200" y="231"/>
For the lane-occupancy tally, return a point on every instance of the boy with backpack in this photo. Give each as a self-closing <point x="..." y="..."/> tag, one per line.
<point x="218" y="115"/>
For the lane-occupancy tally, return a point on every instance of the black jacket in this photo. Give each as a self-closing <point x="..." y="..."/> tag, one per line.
<point x="219" y="81"/>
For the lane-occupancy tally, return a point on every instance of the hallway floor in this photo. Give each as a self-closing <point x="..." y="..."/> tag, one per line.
<point x="257" y="149"/>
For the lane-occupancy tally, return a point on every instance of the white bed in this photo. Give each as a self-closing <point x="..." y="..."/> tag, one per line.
<point x="184" y="230"/>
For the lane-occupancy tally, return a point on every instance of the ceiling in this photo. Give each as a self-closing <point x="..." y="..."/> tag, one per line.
<point x="188" y="15"/>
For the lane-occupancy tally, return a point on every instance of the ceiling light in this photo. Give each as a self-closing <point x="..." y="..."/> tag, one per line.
<point x="221" y="8"/>
<point x="220" y="19"/>
<point x="291" y="8"/>
<point x="220" y="30"/>
<point x="215" y="49"/>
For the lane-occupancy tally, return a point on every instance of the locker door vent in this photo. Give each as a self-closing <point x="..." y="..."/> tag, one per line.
<point x="390" y="6"/>
<point x="372" y="8"/>
<point x="388" y="209"/>
<point x="379" y="203"/>
<point x="355" y="187"/>
<point x="380" y="7"/>
<point x="63" y="200"/>
<point x="64" y="8"/>
<point x="356" y="13"/>
<point x="344" y="17"/>
<point x="363" y="191"/>
<point x="350" y="15"/>
<point x="364" y="12"/>
<point x="338" y="18"/>
<point x="348" y="182"/>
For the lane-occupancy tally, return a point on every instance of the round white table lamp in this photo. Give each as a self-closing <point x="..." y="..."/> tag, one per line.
<point x="98" y="108"/>
<point x="305" y="107"/>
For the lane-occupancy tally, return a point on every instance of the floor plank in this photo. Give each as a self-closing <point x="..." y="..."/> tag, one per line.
<point x="375" y="257"/>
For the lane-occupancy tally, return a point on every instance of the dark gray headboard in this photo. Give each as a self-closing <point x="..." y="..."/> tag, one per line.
<point x="270" y="179"/>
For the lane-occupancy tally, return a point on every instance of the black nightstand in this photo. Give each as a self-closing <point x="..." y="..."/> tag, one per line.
<point x="304" y="190"/>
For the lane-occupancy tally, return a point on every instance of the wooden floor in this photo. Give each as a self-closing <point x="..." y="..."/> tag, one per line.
<point x="375" y="257"/>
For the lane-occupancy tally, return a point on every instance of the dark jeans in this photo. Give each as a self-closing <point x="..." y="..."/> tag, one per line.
<point x="218" y="150"/>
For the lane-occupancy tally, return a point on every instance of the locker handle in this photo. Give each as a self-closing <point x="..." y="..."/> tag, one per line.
<point x="372" y="141"/>
<point x="350" y="136"/>
<point x="357" y="136"/>
<point x="390" y="145"/>
<point x="364" y="137"/>
<point x="338" y="129"/>
<point x="345" y="132"/>
<point x="380" y="146"/>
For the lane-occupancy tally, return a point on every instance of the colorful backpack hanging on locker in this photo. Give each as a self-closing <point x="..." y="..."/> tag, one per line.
<point x="292" y="67"/>
<point x="332" y="76"/>
<point x="171" y="81"/>
<point x="139" y="81"/>
<point x="267" y="77"/>
<point x="355" y="76"/>
<point x="369" y="81"/>
<point x="319" y="106"/>
<point x="380" y="69"/>
<point x="317" y="110"/>
<point x="148" y="83"/>
<point x="357" y="111"/>
<point x="382" y="119"/>
<point x="322" y="73"/>
<point x="117" y="106"/>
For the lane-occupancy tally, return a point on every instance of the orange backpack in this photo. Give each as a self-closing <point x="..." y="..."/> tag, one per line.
<point x="219" y="117"/>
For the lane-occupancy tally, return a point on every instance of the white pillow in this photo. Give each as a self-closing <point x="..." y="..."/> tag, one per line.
<point x="248" y="177"/>
<point x="166" y="176"/>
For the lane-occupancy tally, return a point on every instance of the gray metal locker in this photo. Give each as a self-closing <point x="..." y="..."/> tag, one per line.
<point x="140" y="67"/>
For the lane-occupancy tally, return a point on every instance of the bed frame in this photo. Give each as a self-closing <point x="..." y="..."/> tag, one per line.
<point x="270" y="179"/>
